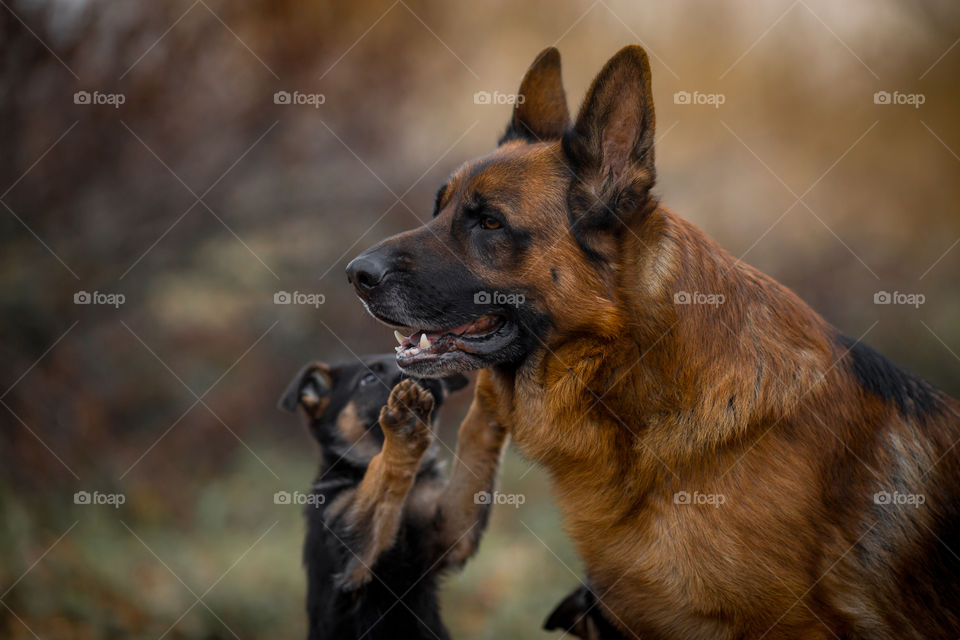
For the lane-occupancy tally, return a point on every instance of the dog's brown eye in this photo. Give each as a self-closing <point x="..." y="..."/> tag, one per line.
<point x="490" y="223"/>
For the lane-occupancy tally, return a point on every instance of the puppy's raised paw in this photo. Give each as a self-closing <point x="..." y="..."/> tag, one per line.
<point x="407" y="414"/>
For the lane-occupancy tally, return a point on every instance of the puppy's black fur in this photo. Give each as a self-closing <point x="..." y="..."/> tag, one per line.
<point x="343" y="403"/>
<point x="579" y="615"/>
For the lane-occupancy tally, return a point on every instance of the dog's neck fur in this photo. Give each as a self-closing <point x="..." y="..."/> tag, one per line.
<point x="664" y="352"/>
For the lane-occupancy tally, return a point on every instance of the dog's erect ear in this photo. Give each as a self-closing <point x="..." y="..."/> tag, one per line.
<point x="540" y="112"/>
<point x="610" y="147"/>
<point x="310" y="388"/>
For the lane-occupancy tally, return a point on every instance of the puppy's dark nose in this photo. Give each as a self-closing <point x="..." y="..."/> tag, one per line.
<point x="367" y="271"/>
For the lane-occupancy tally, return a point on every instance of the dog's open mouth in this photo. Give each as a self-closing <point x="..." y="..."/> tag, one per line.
<point x="435" y="351"/>
<point x="474" y="337"/>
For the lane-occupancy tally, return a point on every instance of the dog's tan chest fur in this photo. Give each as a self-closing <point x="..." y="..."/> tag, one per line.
<point x="668" y="568"/>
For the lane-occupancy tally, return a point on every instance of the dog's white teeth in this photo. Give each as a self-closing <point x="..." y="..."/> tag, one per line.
<point x="398" y="349"/>
<point x="424" y="341"/>
<point x="399" y="336"/>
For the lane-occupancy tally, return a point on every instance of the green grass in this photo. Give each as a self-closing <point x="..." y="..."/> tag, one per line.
<point x="136" y="571"/>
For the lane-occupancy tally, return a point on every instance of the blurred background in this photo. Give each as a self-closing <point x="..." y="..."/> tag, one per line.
<point x="178" y="165"/>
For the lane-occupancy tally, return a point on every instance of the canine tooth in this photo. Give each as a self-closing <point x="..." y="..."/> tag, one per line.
<point x="424" y="341"/>
<point x="398" y="336"/>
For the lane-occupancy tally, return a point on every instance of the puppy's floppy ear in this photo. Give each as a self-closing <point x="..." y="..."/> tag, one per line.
<point x="610" y="148"/>
<point x="540" y="112"/>
<point x="310" y="388"/>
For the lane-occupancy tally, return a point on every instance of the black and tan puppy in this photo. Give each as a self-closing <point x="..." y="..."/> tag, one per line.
<point x="384" y="523"/>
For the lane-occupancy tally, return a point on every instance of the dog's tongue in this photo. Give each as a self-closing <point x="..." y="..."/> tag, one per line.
<point x="481" y="325"/>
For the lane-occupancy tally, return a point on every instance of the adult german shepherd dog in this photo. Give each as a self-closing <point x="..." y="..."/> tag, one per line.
<point x="730" y="471"/>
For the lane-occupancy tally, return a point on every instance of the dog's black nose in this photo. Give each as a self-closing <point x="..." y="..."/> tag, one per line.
<point x="367" y="271"/>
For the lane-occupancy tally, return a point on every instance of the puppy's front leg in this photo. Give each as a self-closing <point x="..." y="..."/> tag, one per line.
<point x="464" y="505"/>
<point x="376" y="510"/>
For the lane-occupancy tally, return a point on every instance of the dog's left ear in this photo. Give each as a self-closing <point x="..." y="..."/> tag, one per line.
<point x="310" y="388"/>
<point x="610" y="148"/>
<point x="540" y="112"/>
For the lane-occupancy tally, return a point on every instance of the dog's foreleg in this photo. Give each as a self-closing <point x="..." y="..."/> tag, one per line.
<point x="464" y="504"/>
<point x="375" y="511"/>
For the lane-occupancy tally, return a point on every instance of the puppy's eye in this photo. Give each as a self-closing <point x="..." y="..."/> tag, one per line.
<point x="490" y="223"/>
<point x="367" y="379"/>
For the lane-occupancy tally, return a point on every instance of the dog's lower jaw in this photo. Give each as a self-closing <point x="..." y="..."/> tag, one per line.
<point x="443" y="365"/>
<point x="461" y="362"/>
<point x="515" y="341"/>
